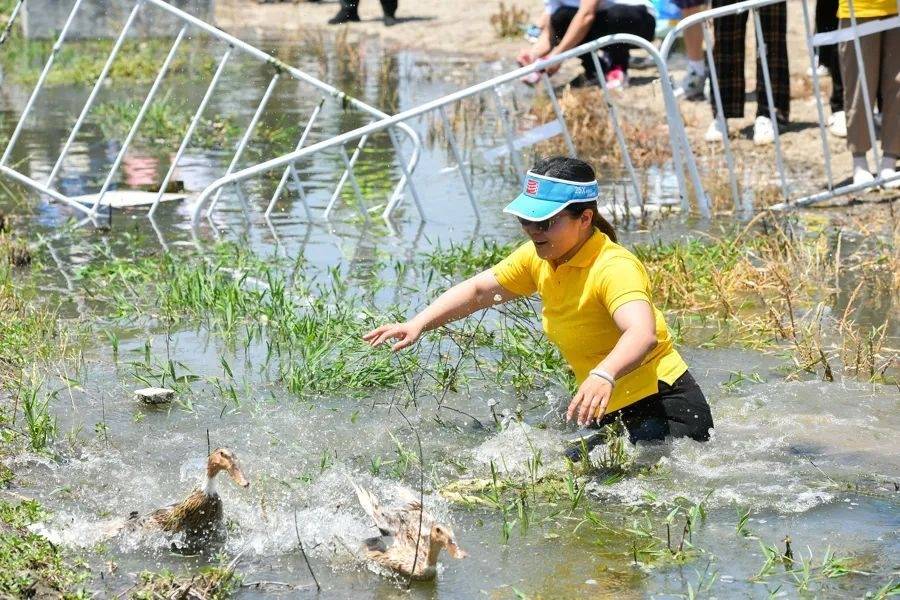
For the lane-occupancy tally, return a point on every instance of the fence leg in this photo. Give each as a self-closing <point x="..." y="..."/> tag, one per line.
<point x="457" y="154"/>
<point x="761" y="50"/>
<point x="287" y="171"/>
<point x="620" y="137"/>
<point x="514" y="157"/>
<point x="818" y="94"/>
<point x="720" y="116"/>
<point x="40" y="83"/>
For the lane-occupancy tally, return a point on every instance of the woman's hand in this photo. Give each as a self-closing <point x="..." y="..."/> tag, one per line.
<point x="525" y="57"/>
<point x="408" y="333"/>
<point x="590" y="402"/>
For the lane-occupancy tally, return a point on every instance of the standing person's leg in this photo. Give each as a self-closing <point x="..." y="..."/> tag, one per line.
<point x="390" y="9"/>
<point x="695" y="78"/>
<point x="773" y="20"/>
<point x="624" y="18"/>
<point x="774" y="25"/>
<point x="890" y="105"/>
<point x="826" y="20"/>
<point x="559" y="24"/>
<point x="728" y="58"/>
<point x="858" y="140"/>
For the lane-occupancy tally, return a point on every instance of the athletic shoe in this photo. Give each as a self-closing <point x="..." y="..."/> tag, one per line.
<point x="616" y="78"/>
<point x="344" y="16"/>
<point x="763" y="131"/>
<point x="837" y="124"/>
<point x="715" y="133"/>
<point x="582" y="81"/>
<point x="862" y="176"/>
<point x="887" y="174"/>
<point x="692" y="85"/>
<point x="821" y="71"/>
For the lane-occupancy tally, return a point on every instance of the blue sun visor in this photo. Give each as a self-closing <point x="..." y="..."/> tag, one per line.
<point x="543" y="197"/>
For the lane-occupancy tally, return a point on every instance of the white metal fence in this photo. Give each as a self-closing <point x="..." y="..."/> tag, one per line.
<point x="706" y="20"/>
<point x="230" y="45"/>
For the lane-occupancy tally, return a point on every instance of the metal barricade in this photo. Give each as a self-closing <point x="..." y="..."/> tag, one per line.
<point x="231" y="45"/>
<point x="491" y="92"/>
<point x="706" y="19"/>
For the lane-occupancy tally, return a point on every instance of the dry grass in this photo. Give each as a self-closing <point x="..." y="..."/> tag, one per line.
<point x="587" y="117"/>
<point x="509" y="20"/>
<point x="778" y="284"/>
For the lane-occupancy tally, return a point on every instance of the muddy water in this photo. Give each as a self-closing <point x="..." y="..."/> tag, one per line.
<point x="809" y="460"/>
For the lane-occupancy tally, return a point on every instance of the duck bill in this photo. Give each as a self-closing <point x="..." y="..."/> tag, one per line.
<point x="238" y="476"/>
<point x="455" y="551"/>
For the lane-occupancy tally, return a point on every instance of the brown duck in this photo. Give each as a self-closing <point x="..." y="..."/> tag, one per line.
<point x="199" y="515"/>
<point x="400" y="536"/>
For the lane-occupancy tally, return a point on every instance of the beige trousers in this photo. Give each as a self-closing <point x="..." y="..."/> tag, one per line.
<point x="881" y="60"/>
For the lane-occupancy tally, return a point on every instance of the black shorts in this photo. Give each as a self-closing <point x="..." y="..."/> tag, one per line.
<point x="677" y="410"/>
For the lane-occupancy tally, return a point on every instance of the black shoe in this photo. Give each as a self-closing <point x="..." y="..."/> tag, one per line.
<point x="582" y="81"/>
<point x="390" y="20"/>
<point x="344" y="16"/>
<point x="580" y="449"/>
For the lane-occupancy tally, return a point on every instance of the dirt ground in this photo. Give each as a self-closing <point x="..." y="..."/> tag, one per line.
<point x="464" y="27"/>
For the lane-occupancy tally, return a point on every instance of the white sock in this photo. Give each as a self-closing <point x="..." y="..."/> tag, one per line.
<point x="698" y="66"/>
<point x="860" y="163"/>
<point x="888" y="163"/>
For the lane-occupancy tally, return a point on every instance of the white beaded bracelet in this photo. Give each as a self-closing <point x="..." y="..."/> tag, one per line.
<point x="604" y="375"/>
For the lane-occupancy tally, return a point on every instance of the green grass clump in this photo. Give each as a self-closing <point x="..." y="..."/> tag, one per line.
<point x="80" y="62"/>
<point x="211" y="583"/>
<point x="31" y="566"/>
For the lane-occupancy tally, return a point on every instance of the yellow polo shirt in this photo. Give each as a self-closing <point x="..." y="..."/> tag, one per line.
<point x="867" y="8"/>
<point x="579" y="299"/>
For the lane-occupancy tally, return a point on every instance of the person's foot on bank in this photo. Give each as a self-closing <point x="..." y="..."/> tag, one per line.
<point x="390" y="20"/>
<point x="583" y="81"/>
<point x="344" y="16"/>
<point x="715" y="133"/>
<point x="692" y="85"/>
<point x="837" y="124"/>
<point x="763" y="131"/>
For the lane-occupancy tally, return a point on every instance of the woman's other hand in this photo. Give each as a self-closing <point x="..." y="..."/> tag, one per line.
<point x="590" y="402"/>
<point x="525" y="57"/>
<point x="407" y="334"/>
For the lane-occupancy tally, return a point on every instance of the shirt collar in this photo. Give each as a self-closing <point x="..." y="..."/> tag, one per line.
<point x="588" y="253"/>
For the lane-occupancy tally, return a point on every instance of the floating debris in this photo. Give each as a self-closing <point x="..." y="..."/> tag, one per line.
<point x="154" y="395"/>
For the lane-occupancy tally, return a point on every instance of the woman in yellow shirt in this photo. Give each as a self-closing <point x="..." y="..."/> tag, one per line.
<point x="597" y="309"/>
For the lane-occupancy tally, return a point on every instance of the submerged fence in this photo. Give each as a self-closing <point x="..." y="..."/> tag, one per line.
<point x="706" y="20"/>
<point x="491" y="92"/>
<point x="188" y="26"/>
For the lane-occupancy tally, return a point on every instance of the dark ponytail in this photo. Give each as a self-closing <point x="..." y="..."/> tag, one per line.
<point x="573" y="169"/>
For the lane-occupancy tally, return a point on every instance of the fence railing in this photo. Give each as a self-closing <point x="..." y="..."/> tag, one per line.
<point x="706" y="20"/>
<point x="491" y="91"/>
<point x="230" y="46"/>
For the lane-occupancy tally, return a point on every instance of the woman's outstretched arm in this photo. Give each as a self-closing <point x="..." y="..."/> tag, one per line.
<point x="475" y="293"/>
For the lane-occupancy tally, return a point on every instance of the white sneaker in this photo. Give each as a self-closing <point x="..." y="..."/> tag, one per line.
<point x="862" y="176"/>
<point x="887" y="174"/>
<point x="837" y="124"/>
<point x="715" y="132"/>
<point x="821" y="71"/>
<point x="763" y="131"/>
<point x="692" y="85"/>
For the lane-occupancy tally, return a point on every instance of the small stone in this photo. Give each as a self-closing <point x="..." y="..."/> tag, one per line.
<point x="154" y="395"/>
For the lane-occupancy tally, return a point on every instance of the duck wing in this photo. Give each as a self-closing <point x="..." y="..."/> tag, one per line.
<point x="386" y="522"/>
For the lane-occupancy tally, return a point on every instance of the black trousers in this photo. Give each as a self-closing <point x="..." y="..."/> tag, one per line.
<point x="728" y="55"/>
<point x="677" y="410"/>
<point x="614" y="18"/>
<point x="388" y="6"/>
<point x="827" y="20"/>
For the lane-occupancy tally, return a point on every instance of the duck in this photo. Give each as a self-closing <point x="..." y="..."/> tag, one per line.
<point x="199" y="515"/>
<point x="400" y="537"/>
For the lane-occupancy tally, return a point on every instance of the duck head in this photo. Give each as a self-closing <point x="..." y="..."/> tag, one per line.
<point x="223" y="459"/>
<point x="442" y="537"/>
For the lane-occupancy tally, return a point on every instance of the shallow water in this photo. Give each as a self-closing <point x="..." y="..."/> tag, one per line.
<point x="811" y="460"/>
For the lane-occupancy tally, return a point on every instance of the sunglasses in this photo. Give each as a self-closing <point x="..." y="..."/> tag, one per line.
<point x="544" y="225"/>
